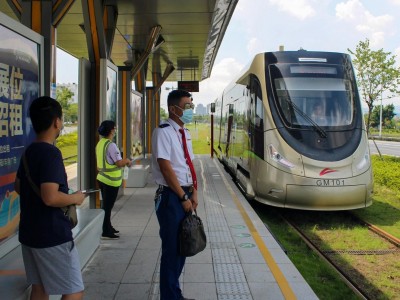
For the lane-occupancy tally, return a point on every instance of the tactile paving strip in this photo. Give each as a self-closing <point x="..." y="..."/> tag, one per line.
<point x="233" y="289"/>
<point x="234" y="297"/>
<point x="225" y="256"/>
<point x="229" y="275"/>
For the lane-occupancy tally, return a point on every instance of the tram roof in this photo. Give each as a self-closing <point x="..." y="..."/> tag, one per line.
<point x="192" y="30"/>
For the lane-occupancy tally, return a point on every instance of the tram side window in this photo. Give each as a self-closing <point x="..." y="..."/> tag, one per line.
<point x="257" y="118"/>
<point x="257" y="110"/>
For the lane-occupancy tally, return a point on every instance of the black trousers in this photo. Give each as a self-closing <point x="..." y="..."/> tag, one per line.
<point x="109" y="195"/>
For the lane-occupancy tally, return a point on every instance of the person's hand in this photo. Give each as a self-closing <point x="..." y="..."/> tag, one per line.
<point x="129" y="162"/>
<point x="187" y="206"/>
<point x="194" y="200"/>
<point x="79" y="197"/>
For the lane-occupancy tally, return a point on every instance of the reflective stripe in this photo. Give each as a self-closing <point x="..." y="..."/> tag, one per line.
<point x="109" y="177"/>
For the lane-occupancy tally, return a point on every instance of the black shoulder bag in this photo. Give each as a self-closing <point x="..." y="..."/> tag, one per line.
<point x="69" y="211"/>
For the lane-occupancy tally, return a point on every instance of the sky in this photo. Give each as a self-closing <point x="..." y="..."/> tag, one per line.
<point x="315" y="25"/>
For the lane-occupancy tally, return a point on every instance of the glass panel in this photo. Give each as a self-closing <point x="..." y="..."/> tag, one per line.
<point x="326" y="101"/>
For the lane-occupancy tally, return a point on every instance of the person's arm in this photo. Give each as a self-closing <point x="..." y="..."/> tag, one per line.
<point x="51" y="196"/>
<point x="194" y="199"/>
<point x="172" y="181"/>
<point x="123" y="162"/>
<point x="114" y="153"/>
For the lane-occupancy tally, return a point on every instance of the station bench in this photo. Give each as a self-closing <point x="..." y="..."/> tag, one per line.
<point x="12" y="273"/>
<point x="137" y="176"/>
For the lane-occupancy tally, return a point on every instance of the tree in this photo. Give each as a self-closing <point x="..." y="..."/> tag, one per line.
<point x="163" y="114"/>
<point x="64" y="96"/>
<point x="387" y="115"/>
<point x="376" y="74"/>
<point x="73" y="112"/>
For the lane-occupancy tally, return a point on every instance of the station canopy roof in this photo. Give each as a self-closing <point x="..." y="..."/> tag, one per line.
<point x="191" y="33"/>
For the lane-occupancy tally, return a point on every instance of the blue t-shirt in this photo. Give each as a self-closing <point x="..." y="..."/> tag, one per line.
<point x="42" y="226"/>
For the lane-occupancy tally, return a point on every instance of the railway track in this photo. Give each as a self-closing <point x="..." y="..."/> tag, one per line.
<point x="327" y="255"/>
<point x="387" y="236"/>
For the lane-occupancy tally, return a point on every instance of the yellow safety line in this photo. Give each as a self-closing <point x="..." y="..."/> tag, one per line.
<point x="280" y="278"/>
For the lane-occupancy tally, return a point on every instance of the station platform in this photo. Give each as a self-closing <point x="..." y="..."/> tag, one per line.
<point x="242" y="260"/>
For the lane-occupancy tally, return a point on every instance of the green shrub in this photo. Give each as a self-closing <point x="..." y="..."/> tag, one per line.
<point x="386" y="171"/>
<point x="67" y="139"/>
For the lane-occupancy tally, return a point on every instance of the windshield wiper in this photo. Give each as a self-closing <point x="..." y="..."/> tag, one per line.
<point x="317" y="128"/>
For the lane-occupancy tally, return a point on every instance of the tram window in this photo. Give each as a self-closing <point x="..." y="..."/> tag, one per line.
<point x="257" y="107"/>
<point x="297" y="97"/>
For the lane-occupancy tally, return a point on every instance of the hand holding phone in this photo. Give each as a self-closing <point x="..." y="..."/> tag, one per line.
<point x="89" y="191"/>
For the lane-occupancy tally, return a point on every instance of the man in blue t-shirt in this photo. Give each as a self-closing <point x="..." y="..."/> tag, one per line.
<point x="50" y="258"/>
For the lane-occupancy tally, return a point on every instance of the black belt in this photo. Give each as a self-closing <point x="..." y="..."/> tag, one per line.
<point x="186" y="188"/>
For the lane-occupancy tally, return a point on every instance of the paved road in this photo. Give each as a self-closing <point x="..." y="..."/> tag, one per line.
<point x="69" y="129"/>
<point x="385" y="147"/>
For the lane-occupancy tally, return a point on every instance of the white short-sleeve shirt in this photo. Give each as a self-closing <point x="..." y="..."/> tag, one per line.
<point x="167" y="144"/>
<point x="113" y="154"/>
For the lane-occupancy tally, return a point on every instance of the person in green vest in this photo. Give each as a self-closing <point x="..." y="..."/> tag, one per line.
<point x="109" y="165"/>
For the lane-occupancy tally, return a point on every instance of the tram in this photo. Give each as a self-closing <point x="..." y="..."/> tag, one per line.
<point x="290" y="130"/>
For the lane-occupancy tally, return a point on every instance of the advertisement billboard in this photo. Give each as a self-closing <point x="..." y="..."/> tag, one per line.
<point x="109" y="92"/>
<point x="20" y="84"/>
<point x="136" y="126"/>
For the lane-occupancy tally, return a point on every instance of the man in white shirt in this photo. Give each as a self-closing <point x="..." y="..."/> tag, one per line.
<point x="173" y="171"/>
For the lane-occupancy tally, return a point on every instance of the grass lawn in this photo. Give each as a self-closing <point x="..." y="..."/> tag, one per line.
<point x="201" y="135"/>
<point x="69" y="154"/>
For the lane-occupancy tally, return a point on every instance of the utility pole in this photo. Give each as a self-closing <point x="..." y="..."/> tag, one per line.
<point x="380" y="119"/>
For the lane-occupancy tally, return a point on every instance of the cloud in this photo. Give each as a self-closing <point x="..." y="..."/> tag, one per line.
<point x="375" y="27"/>
<point x="395" y="2"/>
<point x="254" y="46"/>
<point x="222" y="74"/>
<point x="301" y="9"/>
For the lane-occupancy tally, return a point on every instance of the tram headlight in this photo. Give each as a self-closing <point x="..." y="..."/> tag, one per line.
<point x="276" y="156"/>
<point x="365" y="161"/>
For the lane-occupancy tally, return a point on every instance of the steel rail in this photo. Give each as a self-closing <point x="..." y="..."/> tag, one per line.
<point x="387" y="236"/>
<point x="347" y="280"/>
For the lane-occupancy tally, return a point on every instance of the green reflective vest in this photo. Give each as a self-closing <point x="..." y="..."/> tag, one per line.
<point x="108" y="174"/>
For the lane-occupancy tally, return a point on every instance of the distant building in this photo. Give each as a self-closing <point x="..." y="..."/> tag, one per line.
<point x="73" y="87"/>
<point x="201" y="110"/>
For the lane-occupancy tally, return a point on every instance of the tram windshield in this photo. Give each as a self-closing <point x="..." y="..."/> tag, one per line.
<point x="312" y="95"/>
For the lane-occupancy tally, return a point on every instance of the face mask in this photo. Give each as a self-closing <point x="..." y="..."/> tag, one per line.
<point x="187" y="115"/>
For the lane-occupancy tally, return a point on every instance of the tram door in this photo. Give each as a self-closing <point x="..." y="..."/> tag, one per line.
<point x="256" y="129"/>
<point x="256" y="119"/>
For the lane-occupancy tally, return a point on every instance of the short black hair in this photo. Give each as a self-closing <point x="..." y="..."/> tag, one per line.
<point x="175" y="96"/>
<point x="106" y="127"/>
<point x="43" y="111"/>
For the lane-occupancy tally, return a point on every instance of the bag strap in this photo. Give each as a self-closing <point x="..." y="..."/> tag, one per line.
<point x="28" y="176"/>
<point x="33" y="185"/>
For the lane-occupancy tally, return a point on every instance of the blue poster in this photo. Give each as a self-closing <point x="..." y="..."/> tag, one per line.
<point x="19" y="85"/>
